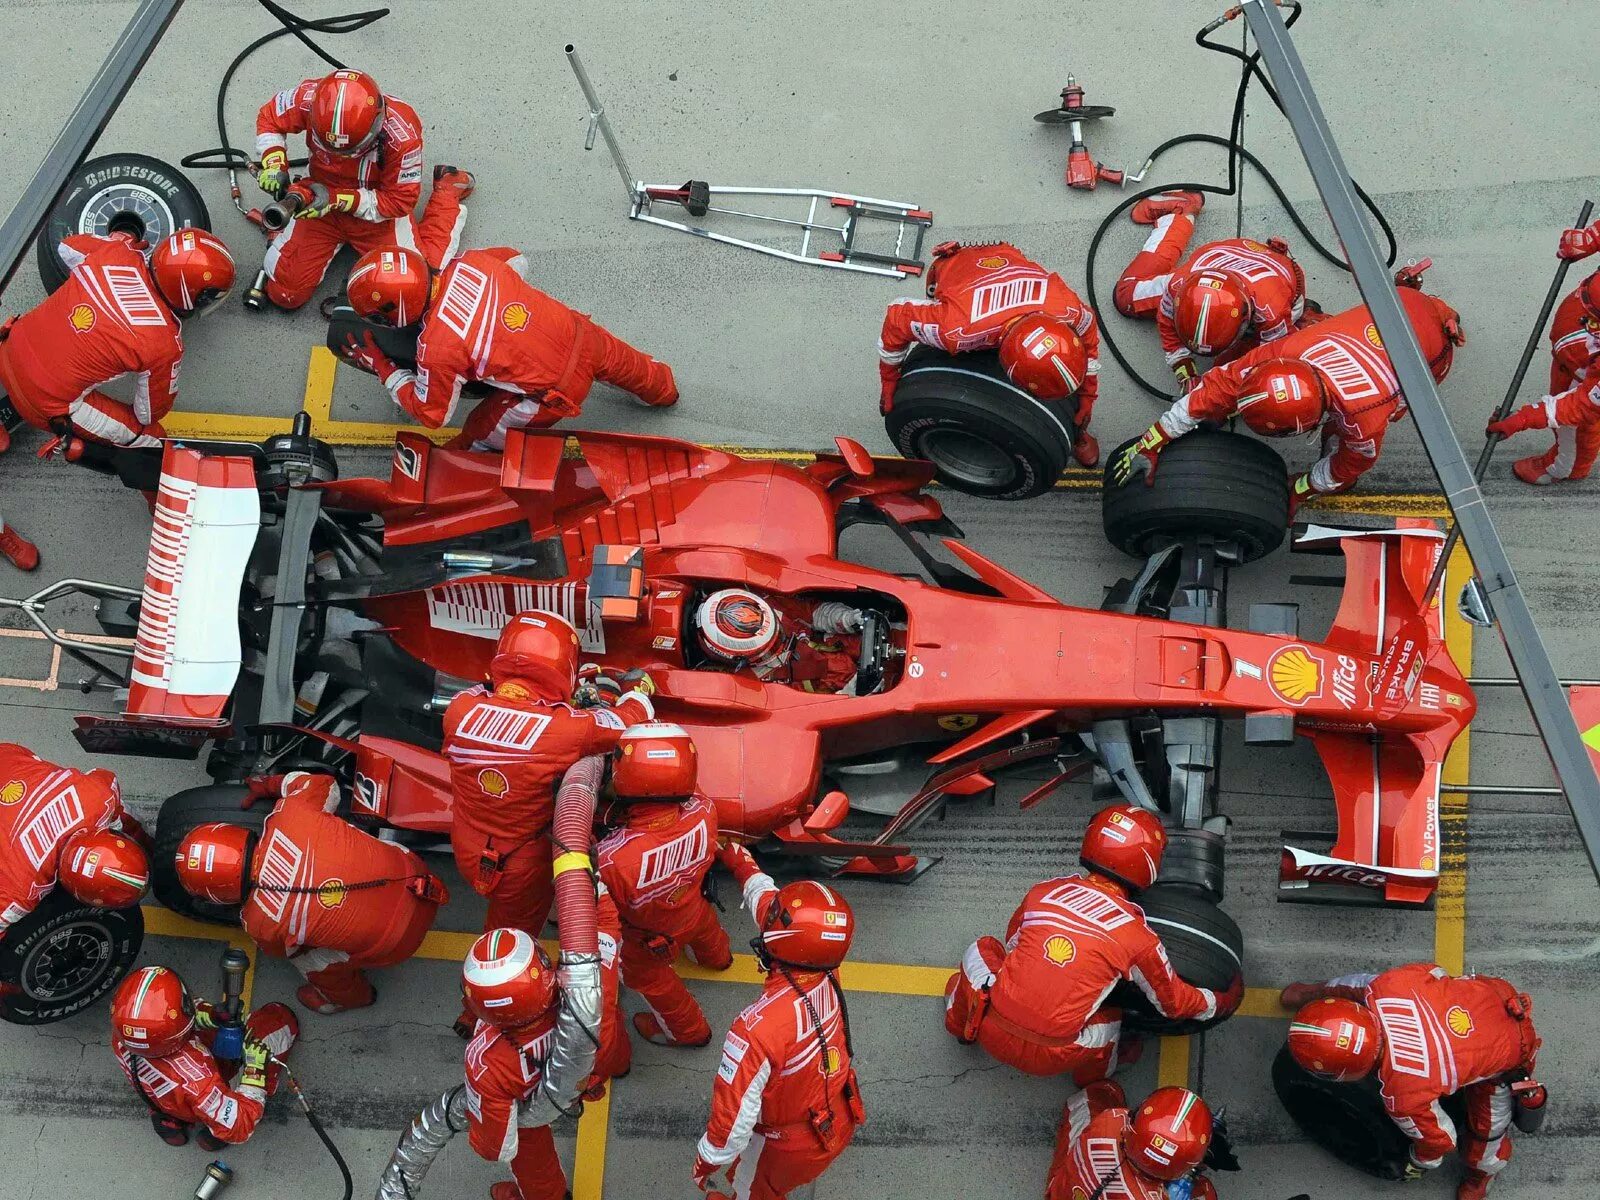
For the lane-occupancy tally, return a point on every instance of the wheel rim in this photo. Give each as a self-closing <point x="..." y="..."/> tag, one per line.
<point x="127" y="208"/>
<point x="69" y="963"/>
<point x="969" y="457"/>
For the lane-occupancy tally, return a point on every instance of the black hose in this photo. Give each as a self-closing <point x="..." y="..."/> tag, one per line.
<point x="316" y="1125"/>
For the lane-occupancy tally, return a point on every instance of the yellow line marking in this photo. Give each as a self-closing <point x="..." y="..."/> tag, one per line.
<point x="1450" y="902"/>
<point x="1172" y="1068"/>
<point x="589" y="1156"/>
<point x="319" y="385"/>
<point x="1262" y="1002"/>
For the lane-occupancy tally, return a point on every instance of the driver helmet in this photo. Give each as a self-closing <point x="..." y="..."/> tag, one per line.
<point x="737" y="626"/>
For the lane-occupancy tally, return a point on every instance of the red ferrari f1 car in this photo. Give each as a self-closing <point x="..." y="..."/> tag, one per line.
<point x="291" y="615"/>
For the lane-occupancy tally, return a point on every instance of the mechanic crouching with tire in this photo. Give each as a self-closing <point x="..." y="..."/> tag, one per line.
<point x="992" y="296"/>
<point x="332" y="899"/>
<point x="1037" y="1002"/>
<point x="1156" y="1151"/>
<point x="1429" y="1035"/>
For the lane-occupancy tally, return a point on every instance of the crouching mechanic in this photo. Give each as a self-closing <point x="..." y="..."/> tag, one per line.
<point x="365" y="177"/>
<point x="1037" y="1002"/>
<point x="58" y="825"/>
<point x="1226" y="298"/>
<point x="1429" y="1035"/>
<point x="163" y="1041"/>
<point x="1334" y="374"/>
<point x="1154" y="1152"/>
<point x="116" y="315"/>
<point x="654" y="863"/>
<point x="992" y="296"/>
<point x="812" y="646"/>
<point x="484" y="322"/>
<point x="333" y="900"/>
<point x="786" y="1101"/>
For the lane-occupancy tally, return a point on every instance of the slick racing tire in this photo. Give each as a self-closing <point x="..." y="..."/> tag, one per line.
<point x="1210" y="484"/>
<point x="63" y="956"/>
<point x="983" y="435"/>
<point x="180" y="814"/>
<point x="119" y="193"/>
<point x="1204" y="945"/>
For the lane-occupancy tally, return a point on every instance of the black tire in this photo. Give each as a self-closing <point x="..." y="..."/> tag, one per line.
<point x="1209" y="484"/>
<point x="1206" y="949"/>
<point x="1345" y="1119"/>
<point x="181" y="813"/>
<point x="64" y="956"/>
<point x="119" y="192"/>
<point x="983" y="435"/>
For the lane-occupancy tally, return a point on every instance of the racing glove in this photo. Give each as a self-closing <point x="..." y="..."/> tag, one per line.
<point x="1139" y="458"/>
<point x="738" y="861"/>
<point x="1300" y="490"/>
<point x="274" y="176"/>
<point x="261" y="787"/>
<point x="1188" y="374"/>
<point x="318" y="200"/>
<point x="1229" y="999"/>
<point x="256" y="1057"/>
<point x="704" y="1173"/>
<point x="367" y="355"/>
<point x="1579" y="243"/>
<point x="1529" y="416"/>
<point x="1411" y="1171"/>
<point x="205" y="1015"/>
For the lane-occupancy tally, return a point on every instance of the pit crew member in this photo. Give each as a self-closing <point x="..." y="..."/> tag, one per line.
<point x="1572" y="407"/>
<point x="1037" y="1002"/>
<point x="1226" y="298"/>
<point x="786" y="1101"/>
<point x="654" y="863"/>
<point x="58" y="825"/>
<point x="332" y="899"/>
<point x="1105" y="1147"/>
<point x="1429" y="1035"/>
<point x="364" y="180"/>
<point x="163" y="1040"/>
<point x="989" y="296"/>
<point x="1334" y="374"/>
<point x="18" y="550"/>
<point x="484" y="321"/>
<point x="116" y="315"/>
<point x="812" y="646"/>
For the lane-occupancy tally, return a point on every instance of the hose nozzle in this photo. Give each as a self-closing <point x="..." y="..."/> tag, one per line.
<point x="215" y="1181"/>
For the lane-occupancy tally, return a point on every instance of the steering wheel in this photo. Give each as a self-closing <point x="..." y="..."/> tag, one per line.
<point x="874" y="653"/>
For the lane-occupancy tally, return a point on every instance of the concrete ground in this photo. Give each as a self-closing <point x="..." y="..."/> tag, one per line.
<point x="930" y="107"/>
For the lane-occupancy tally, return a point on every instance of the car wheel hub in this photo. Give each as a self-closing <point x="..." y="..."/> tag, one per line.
<point x="68" y="963"/>
<point x="969" y="457"/>
<point x="127" y="208"/>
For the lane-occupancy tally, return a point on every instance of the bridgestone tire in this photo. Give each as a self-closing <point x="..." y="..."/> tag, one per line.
<point x="1345" y="1119"/>
<point x="1204" y="945"/>
<point x="119" y="192"/>
<point x="180" y="814"/>
<point x="64" y="956"/>
<point x="1209" y="484"/>
<point x="983" y="435"/>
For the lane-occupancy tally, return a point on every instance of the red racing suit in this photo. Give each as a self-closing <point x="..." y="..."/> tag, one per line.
<point x="106" y="321"/>
<point x="978" y="291"/>
<point x="1364" y="392"/>
<point x="1572" y="408"/>
<point x="507" y="755"/>
<point x="311" y="899"/>
<point x="654" y="865"/>
<point x="1089" y="1160"/>
<point x="1444" y="1035"/>
<point x="387" y="180"/>
<point x="1038" y="1002"/>
<point x="813" y="651"/>
<point x="488" y="324"/>
<point x="786" y="1101"/>
<point x="41" y="806"/>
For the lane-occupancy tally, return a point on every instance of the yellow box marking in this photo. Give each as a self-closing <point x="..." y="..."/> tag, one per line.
<point x="1172" y="1067"/>
<point x="1450" y="902"/>
<point x="589" y="1156"/>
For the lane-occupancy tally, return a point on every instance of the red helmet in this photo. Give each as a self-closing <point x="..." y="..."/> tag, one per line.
<point x="104" y="869"/>
<point x="346" y="113"/>
<point x="390" y="286"/>
<point x="1169" y="1135"/>
<point x="151" y="1013"/>
<point x="1044" y="356"/>
<point x="540" y="650"/>
<point x="1337" y="1039"/>
<point x="655" y="760"/>
<point x="193" y="271"/>
<point x="507" y="979"/>
<point x="1125" y="842"/>
<point x="1589" y="296"/>
<point x="1212" y="310"/>
<point x="212" y="860"/>
<point x="737" y="625"/>
<point x="1283" y="397"/>
<point x="809" y="926"/>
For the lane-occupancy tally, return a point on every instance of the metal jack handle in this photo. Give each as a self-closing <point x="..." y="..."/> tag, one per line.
<point x="599" y="122"/>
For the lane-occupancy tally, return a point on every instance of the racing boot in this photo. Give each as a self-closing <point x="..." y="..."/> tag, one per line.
<point x="24" y="555"/>
<point x="1536" y="469"/>
<point x="1297" y="995"/>
<point x="1152" y="208"/>
<point x="1475" y="1186"/>
<point x="510" y="1191"/>
<point x="316" y="1000"/>
<point x="463" y="181"/>
<point x="1085" y="448"/>
<point x="651" y="1030"/>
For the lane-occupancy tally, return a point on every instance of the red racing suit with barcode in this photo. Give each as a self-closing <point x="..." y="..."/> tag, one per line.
<point x="1089" y="1160"/>
<point x="504" y="1068"/>
<point x="41" y="806"/>
<point x="1274" y="283"/>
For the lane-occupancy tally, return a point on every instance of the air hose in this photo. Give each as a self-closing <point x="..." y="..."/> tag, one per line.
<point x="317" y="1127"/>
<point x="1237" y="153"/>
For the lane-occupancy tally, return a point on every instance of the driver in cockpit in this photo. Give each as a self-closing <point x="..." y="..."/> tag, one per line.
<point x="811" y="646"/>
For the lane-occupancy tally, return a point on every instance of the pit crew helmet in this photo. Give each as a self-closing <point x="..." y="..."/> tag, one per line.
<point x="539" y="651"/>
<point x="737" y="626"/>
<point x="1169" y="1134"/>
<point x="507" y="979"/>
<point x="193" y="271"/>
<point x="1044" y="356"/>
<point x="151" y="1013"/>
<point x="347" y="112"/>
<point x="1125" y="843"/>
<point x="1283" y="397"/>
<point x="1211" y="310"/>
<point x="104" y="869"/>
<point x="212" y="860"/>
<point x="1589" y="296"/>
<point x="390" y="286"/>
<point x="655" y="761"/>
<point x="1336" y="1039"/>
<point x="808" y="926"/>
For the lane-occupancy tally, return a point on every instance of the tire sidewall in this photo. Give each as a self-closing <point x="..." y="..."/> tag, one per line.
<point x="1370" y="1142"/>
<point x="180" y="814"/>
<point x="1190" y="926"/>
<point x="122" y="932"/>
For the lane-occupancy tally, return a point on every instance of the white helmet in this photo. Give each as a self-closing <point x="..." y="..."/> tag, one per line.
<point x="737" y="626"/>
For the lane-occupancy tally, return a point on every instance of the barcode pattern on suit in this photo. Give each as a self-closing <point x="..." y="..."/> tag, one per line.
<point x="1404" y="1035"/>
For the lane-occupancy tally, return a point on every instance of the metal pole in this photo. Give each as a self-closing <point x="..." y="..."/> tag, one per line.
<point x="1513" y="681"/>
<point x="1496" y="789"/>
<point x="599" y="120"/>
<point x="1529" y="658"/>
<point x="83" y="127"/>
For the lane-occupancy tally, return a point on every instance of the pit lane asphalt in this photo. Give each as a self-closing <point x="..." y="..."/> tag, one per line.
<point x="857" y="108"/>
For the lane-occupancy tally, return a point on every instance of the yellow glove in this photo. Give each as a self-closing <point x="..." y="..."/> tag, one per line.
<point x="274" y="176"/>
<point x="256" y="1056"/>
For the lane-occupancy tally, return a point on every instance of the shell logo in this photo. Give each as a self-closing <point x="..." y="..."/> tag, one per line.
<point x="992" y="262"/>
<point x="514" y="317"/>
<point x="1372" y="336"/>
<point x="1459" y="1020"/>
<point x="13" y="792"/>
<point x="492" y="782"/>
<point x="832" y="1061"/>
<point x="81" y="318"/>
<point x="331" y="893"/>
<point x="1059" y="951"/>
<point x="1295" y="675"/>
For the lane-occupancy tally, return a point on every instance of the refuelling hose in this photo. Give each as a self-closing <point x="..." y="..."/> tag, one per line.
<point x="317" y="1127"/>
